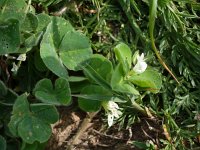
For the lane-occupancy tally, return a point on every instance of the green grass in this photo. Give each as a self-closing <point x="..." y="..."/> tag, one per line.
<point x="167" y="31"/>
<point x="171" y="26"/>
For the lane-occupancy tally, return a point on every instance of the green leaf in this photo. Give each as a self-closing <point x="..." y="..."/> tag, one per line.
<point x="9" y="36"/>
<point x="33" y="40"/>
<point x="21" y="106"/>
<point x="150" y="80"/>
<point x="2" y="143"/>
<point x="77" y="83"/>
<point x="140" y="145"/>
<point x="49" y="55"/>
<point x="117" y="76"/>
<point x="45" y="113"/>
<point x="76" y="87"/>
<point x="39" y="64"/>
<point x="7" y="98"/>
<point x="43" y="21"/>
<point x="127" y="88"/>
<point x="10" y="96"/>
<point x="119" y="84"/>
<point x="101" y="65"/>
<point x="77" y="79"/>
<point x="2" y="2"/>
<point x="94" y="94"/>
<point x="50" y="45"/>
<point x="96" y="77"/>
<point x="60" y="27"/>
<point x="58" y="95"/>
<point x="32" y="123"/>
<point x="163" y="3"/>
<point x="3" y="88"/>
<point x="124" y="56"/>
<point x="34" y="146"/>
<point x="20" y="109"/>
<point x="32" y="129"/>
<point x="75" y="49"/>
<point x="30" y="23"/>
<point x="95" y="97"/>
<point x="13" y="9"/>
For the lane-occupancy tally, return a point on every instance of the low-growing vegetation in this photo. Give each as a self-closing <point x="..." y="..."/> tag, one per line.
<point x="122" y="61"/>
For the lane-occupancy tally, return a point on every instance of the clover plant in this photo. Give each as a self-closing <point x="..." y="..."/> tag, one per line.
<point x="61" y="49"/>
<point x="46" y="61"/>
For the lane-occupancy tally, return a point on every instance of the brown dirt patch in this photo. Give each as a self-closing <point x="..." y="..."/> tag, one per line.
<point x="98" y="136"/>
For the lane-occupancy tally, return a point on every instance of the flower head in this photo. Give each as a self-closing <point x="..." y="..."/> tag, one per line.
<point x="141" y="65"/>
<point x="112" y="110"/>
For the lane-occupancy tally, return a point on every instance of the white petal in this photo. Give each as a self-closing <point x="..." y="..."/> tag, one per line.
<point x="112" y="105"/>
<point x="115" y="113"/>
<point x="140" y="67"/>
<point x="14" y="68"/>
<point x="22" y="57"/>
<point x="110" y="120"/>
<point x="140" y="58"/>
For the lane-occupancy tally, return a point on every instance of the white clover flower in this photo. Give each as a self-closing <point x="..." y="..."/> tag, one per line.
<point x="112" y="110"/>
<point x="22" y="57"/>
<point x="141" y="65"/>
<point x="14" y="68"/>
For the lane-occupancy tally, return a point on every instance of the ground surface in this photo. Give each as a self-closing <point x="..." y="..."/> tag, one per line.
<point x="98" y="136"/>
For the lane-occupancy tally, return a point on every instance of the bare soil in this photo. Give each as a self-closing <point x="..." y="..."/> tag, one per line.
<point x="98" y="136"/>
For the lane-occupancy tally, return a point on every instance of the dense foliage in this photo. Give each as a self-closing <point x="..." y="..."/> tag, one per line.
<point x="130" y="58"/>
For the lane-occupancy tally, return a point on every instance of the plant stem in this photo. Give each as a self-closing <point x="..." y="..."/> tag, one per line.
<point x="6" y="104"/>
<point x="28" y="6"/>
<point x="82" y="129"/>
<point x="152" y="17"/>
<point x="138" y="108"/>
